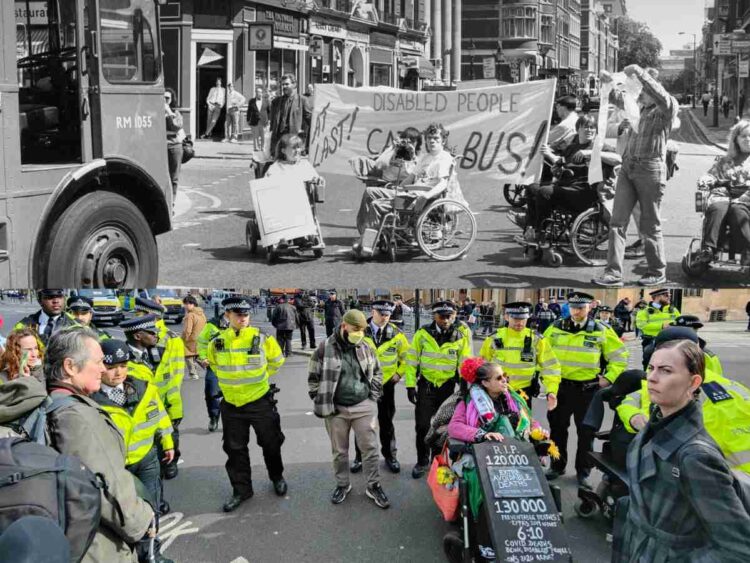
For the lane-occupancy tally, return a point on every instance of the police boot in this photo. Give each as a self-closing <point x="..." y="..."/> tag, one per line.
<point x="233" y="503"/>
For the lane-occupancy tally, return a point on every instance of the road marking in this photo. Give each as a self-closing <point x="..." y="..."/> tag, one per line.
<point x="170" y="531"/>
<point x="190" y="245"/>
<point x="239" y="560"/>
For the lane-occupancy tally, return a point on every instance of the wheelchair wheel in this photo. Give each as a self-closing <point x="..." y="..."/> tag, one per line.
<point x="252" y="234"/>
<point x="390" y="250"/>
<point x="552" y="258"/>
<point x="690" y="265"/>
<point x="445" y="230"/>
<point x="271" y="255"/>
<point x="515" y="194"/>
<point x="589" y="236"/>
<point x="585" y="508"/>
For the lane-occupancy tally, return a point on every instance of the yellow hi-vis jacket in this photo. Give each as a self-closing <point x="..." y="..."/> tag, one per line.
<point x="243" y="361"/>
<point x="522" y="354"/>
<point x="391" y="349"/>
<point x="142" y="419"/>
<point x="579" y="352"/>
<point x="651" y="320"/>
<point x="170" y="372"/>
<point x="209" y="332"/>
<point x="726" y="415"/>
<point x="437" y="364"/>
<point x="466" y="331"/>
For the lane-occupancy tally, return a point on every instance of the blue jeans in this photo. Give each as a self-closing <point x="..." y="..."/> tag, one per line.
<point x="148" y="471"/>
<point x="212" y="393"/>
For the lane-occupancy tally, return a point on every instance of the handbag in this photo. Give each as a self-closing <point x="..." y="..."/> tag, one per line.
<point x="188" y="150"/>
<point x="447" y="500"/>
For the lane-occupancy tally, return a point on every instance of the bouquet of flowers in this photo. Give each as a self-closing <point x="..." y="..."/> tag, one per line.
<point x="543" y="445"/>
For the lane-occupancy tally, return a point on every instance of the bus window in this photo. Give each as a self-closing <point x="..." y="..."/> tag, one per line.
<point x="128" y="41"/>
<point x="49" y="121"/>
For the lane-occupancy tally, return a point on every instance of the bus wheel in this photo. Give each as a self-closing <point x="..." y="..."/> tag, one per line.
<point x="101" y="240"/>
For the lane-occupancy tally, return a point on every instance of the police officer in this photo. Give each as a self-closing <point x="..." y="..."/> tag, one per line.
<point x="579" y="343"/>
<point x="243" y="359"/>
<point x="134" y="406"/>
<point x="693" y="323"/>
<point x="432" y="363"/>
<point x="82" y="310"/>
<point x="525" y="355"/>
<point x="169" y="370"/>
<point x="605" y="315"/>
<point x="391" y="346"/>
<point x="211" y="391"/>
<point x="50" y="318"/>
<point x="657" y="315"/>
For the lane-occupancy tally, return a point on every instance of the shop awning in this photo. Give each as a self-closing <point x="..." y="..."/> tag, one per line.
<point x="209" y="56"/>
<point x="424" y="68"/>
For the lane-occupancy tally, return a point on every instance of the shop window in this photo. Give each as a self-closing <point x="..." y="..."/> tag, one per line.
<point x="519" y="22"/>
<point x="546" y="30"/>
<point x="128" y="41"/>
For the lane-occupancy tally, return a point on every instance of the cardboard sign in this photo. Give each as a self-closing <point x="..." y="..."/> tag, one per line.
<point x="282" y="208"/>
<point x="524" y="522"/>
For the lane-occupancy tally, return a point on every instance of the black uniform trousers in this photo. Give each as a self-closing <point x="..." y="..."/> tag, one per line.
<point x="284" y="338"/>
<point x="429" y="399"/>
<point x="572" y="399"/>
<point x="307" y="328"/>
<point x="148" y="472"/>
<point x="236" y="422"/>
<point x="330" y="325"/>
<point x="386" y="412"/>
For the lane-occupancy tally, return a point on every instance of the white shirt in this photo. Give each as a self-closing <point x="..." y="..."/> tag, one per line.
<point x="235" y="100"/>
<point x="44" y="318"/>
<point x="432" y="169"/>
<point x="375" y="330"/>
<point x="106" y="388"/>
<point x="217" y="95"/>
<point x="300" y="172"/>
<point x="563" y="133"/>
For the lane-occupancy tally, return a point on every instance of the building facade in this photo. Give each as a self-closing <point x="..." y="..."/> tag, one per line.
<point x="599" y="44"/>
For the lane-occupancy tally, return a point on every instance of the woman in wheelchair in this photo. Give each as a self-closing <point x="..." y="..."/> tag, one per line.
<point x="491" y="411"/>
<point x="571" y="190"/>
<point x="728" y="198"/>
<point x="394" y="164"/>
<point x="431" y="173"/>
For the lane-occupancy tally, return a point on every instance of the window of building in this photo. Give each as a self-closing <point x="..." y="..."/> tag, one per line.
<point x="547" y="29"/>
<point x="690" y="292"/>
<point x="518" y="21"/>
<point x="128" y="39"/>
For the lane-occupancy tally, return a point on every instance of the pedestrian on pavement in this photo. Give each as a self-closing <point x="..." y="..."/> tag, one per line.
<point x="81" y="309"/>
<point x="554" y="306"/>
<point x="579" y="344"/>
<point x="399" y="310"/>
<point x="51" y="318"/>
<point x="175" y="137"/>
<point x="741" y="107"/>
<point x="284" y="320"/>
<point x="211" y="391"/>
<point x="488" y="318"/>
<point x="290" y="112"/>
<point x="80" y="427"/>
<point x="725" y="103"/>
<point x="544" y="317"/>
<point x="651" y="319"/>
<point x="642" y="179"/>
<point x="525" y="356"/>
<point x="345" y="382"/>
<point x="243" y="358"/>
<point x="215" y="101"/>
<point x="622" y="313"/>
<point x="235" y="102"/>
<point x="192" y="325"/>
<point x="258" y="116"/>
<point x="726" y="183"/>
<point x="432" y="363"/>
<point x="684" y="502"/>
<point x="706" y="100"/>
<point x="334" y="311"/>
<point x="305" y="316"/>
<point x="391" y="346"/>
<point x="134" y="406"/>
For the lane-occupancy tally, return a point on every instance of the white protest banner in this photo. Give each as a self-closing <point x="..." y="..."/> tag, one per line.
<point x="498" y="130"/>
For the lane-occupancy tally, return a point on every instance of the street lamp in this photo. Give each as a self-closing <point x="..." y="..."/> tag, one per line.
<point x="498" y="59"/>
<point x="695" y="63"/>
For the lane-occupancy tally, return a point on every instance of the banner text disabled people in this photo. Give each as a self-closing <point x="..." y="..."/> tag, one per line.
<point x="498" y="130"/>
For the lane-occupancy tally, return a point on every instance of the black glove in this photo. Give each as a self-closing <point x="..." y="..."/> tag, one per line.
<point x="411" y="394"/>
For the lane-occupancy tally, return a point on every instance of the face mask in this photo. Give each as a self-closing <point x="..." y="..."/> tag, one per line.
<point x="355" y="337"/>
<point x="657" y="305"/>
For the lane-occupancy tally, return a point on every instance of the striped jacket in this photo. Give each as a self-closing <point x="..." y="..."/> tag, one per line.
<point x="325" y="367"/>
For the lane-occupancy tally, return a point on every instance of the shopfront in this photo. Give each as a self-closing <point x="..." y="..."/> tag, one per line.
<point x="289" y="48"/>
<point x="382" y="59"/>
<point x="357" y="57"/>
<point x="413" y="68"/>
<point x="326" y="54"/>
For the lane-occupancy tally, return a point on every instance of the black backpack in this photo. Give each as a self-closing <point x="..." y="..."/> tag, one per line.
<point x="36" y="480"/>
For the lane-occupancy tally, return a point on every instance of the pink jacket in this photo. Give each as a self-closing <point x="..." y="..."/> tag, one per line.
<point x="464" y="423"/>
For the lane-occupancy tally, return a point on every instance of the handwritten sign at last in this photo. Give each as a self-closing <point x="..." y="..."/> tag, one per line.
<point x="524" y="522"/>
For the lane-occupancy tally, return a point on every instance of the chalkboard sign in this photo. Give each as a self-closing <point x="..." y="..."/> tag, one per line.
<point x="523" y="518"/>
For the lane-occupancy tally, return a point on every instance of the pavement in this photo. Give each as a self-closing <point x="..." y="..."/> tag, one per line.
<point x="216" y="150"/>
<point x="717" y="136"/>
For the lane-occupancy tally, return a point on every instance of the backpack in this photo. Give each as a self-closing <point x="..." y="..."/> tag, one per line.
<point x="36" y="480"/>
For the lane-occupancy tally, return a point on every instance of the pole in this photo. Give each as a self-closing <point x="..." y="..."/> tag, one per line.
<point x="695" y="70"/>
<point x="416" y="310"/>
<point x="739" y="84"/>
<point x="716" y="92"/>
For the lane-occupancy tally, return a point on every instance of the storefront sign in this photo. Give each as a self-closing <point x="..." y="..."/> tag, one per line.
<point x="377" y="38"/>
<point x="358" y="36"/>
<point x="744" y="69"/>
<point x="36" y="14"/>
<point x="488" y="66"/>
<point x="260" y="37"/>
<point x="326" y="29"/>
<point x="410" y="45"/>
<point x="283" y="24"/>
<point x="498" y="130"/>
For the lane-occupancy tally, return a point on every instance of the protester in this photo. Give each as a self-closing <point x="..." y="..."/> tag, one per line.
<point x="642" y="179"/>
<point x="333" y="312"/>
<point x="192" y="325"/>
<point x="290" y="112"/>
<point x="726" y="203"/>
<point x="562" y="134"/>
<point x="175" y="136"/>
<point x="289" y="163"/>
<point x="73" y="366"/>
<point x="22" y="356"/>
<point x="684" y="504"/>
<point x="305" y="306"/>
<point x="345" y="382"/>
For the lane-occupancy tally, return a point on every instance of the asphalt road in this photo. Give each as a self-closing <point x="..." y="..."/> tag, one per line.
<point x="305" y="525"/>
<point x="208" y="241"/>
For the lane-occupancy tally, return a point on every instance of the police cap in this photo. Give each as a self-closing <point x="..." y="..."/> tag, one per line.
<point x="605" y="309"/>
<point x="657" y="292"/>
<point x="80" y="303"/>
<point x="115" y="351"/>
<point x="518" y="309"/>
<point x="143" y="305"/>
<point x="579" y="299"/>
<point x="145" y="322"/>
<point x="237" y="303"/>
<point x="50" y="293"/>
<point x="383" y="306"/>
<point x="676" y="333"/>
<point x="443" y="308"/>
<point x="690" y="321"/>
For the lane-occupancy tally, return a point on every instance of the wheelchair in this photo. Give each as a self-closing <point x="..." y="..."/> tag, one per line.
<point x="442" y="228"/>
<point x="729" y="252"/>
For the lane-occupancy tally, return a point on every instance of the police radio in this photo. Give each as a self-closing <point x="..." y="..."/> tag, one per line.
<point x="219" y="344"/>
<point x="255" y="346"/>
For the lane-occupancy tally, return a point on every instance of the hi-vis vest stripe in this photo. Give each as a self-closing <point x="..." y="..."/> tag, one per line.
<point x="437" y="364"/>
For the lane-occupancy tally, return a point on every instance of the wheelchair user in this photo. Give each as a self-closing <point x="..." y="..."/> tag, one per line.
<point x="432" y="171"/>
<point x="727" y="183"/>
<point x="394" y="164"/>
<point x="571" y="191"/>
<point x="490" y="410"/>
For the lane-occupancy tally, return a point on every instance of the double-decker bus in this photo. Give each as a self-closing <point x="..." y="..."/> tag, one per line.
<point x="84" y="182"/>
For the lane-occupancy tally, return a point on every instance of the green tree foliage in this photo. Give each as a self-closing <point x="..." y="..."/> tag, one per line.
<point x="637" y="44"/>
